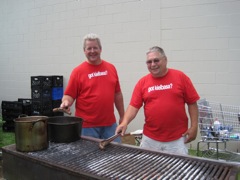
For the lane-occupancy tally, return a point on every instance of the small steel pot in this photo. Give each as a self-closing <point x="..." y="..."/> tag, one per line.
<point x="31" y="133"/>
<point x="64" y="129"/>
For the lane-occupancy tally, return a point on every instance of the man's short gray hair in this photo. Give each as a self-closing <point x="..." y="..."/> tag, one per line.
<point x="156" y="49"/>
<point x="91" y="37"/>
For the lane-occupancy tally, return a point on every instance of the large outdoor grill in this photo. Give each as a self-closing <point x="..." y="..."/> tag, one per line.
<point x="83" y="159"/>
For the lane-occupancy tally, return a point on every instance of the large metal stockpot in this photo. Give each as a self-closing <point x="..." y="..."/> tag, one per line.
<point x="64" y="129"/>
<point x="31" y="133"/>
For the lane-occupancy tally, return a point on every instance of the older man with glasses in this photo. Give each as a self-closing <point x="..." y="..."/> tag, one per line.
<point x="163" y="93"/>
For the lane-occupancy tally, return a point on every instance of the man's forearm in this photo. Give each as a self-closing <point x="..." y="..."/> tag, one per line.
<point x="193" y="113"/>
<point x="129" y="115"/>
<point x="119" y="104"/>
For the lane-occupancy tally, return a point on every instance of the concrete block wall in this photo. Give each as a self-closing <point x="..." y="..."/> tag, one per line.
<point x="44" y="37"/>
<point x="205" y="37"/>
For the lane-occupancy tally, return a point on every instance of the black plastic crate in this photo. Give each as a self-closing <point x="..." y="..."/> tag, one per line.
<point x="8" y="126"/>
<point x="36" y="113"/>
<point x="36" y="81"/>
<point x="57" y="81"/>
<point x="36" y="93"/>
<point x="36" y="107"/>
<point x="9" y="115"/>
<point x="12" y="111"/>
<point x="12" y="105"/>
<point x="46" y="81"/>
<point x="27" y="109"/>
<point x="47" y="113"/>
<point x="47" y="109"/>
<point x="47" y="105"/>
<point x="25" y="101"/>
<point x="27" y="105"/>
<point x="47" y="94"/>
<point x="56" y="103"/>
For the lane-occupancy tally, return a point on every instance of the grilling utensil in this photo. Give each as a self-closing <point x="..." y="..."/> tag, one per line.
<point x="105" y="142"/>
<point x="64" y="110"/>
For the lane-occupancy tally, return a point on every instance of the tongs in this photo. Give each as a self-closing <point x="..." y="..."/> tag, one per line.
<point x="105" y="142"/>
<point x="64" y="110"/>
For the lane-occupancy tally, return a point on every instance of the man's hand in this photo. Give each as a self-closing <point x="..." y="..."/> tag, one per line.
<point x="191" y="134"/>
<point x="121" y="129"/>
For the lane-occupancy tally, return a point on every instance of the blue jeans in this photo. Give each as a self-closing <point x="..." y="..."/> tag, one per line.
<point x="102" y="132"/>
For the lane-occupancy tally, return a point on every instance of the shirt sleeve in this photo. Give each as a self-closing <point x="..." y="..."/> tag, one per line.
<point x="191" y="95"/>
<point x="136" y="100"/>
<point x="72" y="87"/>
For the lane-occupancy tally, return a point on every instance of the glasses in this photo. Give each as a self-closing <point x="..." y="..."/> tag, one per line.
<point x="149" y="62"/>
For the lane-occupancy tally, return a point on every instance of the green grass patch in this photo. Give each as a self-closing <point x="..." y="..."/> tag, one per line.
<point x="192" y="152"/>
<point x="6" y="138"/>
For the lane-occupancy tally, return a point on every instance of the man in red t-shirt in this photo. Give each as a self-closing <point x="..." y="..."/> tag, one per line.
<point x="164" y="93"/>
<point x="94" y="84"/>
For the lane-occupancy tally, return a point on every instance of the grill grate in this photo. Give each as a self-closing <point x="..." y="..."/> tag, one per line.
<point x="127" y="162"/>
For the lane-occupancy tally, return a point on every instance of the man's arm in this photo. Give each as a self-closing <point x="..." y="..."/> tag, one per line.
<point x="118" y="100"/>
<point x="129" y="115"/>
<point x="192" y="131"/>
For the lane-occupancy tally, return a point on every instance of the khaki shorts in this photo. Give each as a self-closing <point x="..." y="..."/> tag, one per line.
<point x="174" y="147"/>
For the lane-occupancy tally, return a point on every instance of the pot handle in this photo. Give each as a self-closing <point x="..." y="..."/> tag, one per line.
<point x="38" y="120"/>
<point x="22" y="115"/>
<point x="34" y="122"/>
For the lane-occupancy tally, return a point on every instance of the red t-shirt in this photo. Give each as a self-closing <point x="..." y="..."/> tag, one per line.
<point x="94" y="88"/>
<point x="164" y="101"/>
